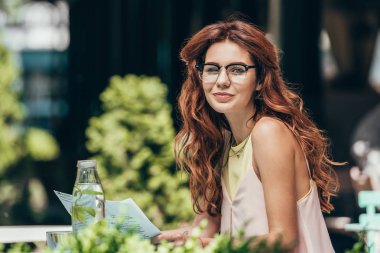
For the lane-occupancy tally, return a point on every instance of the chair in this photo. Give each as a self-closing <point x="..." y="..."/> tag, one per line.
<point x="369" y="221"/>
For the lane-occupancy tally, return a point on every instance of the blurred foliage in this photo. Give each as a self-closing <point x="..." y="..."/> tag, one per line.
<point x="20" y="148"/>
<point x="33" y="139"/>
<point x="10" y="113"/>
<point x="12" y="8"/>
<point x="16" y="248"/>
<point x="102" y="238"/>
<point x="132" y="142"/>
<point x="361" y="245"/>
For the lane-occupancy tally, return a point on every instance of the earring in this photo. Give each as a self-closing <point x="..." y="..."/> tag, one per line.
<point x="259" y="87"/>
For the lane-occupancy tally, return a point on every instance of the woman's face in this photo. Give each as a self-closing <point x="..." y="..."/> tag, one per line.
<point x="233" y="92"/>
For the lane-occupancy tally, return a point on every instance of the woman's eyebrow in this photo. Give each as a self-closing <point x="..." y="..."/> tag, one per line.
<point x="231" y="63"/>
<point x="213" y="63"/>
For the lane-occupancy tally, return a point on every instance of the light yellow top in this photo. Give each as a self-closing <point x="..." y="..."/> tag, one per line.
<point x="239" y="161"/>
<point x="243" y="205"/>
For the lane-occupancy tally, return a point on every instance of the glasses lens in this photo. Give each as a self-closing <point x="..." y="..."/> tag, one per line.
<point x="236" y="73"/>
<point x="210" y="73"/>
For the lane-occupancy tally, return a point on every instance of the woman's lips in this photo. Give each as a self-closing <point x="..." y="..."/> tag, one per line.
<point x="222" y="97"/>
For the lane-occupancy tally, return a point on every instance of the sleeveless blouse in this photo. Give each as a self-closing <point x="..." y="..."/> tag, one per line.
<point x="244" y="207"/>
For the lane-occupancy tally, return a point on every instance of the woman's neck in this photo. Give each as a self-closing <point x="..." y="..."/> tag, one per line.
<point x="241" y="126"/>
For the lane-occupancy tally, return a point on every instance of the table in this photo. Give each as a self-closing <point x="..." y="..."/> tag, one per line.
<point x="12" y="234"/>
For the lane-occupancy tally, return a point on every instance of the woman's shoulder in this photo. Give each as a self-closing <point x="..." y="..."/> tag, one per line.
<point x="271" y="138"/>
<point x="268" y="126"/>
<point x="273" y="132"/>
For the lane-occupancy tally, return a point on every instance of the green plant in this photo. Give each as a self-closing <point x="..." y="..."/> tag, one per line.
<point x="132" y="142"/>
<point x="102" y="238"/>
<point x="360" y="246"/>
<point x="11" y="113"/>
<point x="20" y="147"/>
<point x="16" y="248"/>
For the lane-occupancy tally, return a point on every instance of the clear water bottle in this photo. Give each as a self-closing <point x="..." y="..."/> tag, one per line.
<point x="88" y="196"/>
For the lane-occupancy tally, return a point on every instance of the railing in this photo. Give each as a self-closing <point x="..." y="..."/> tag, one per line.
<point x="12" y="234"/>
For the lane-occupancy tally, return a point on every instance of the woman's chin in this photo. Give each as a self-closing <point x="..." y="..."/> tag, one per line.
<point x="222" y="109"/>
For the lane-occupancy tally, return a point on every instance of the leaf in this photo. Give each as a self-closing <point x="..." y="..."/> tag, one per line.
<point x="89" y="210"/>
<point x="74" y="211"/>
<point x="91" y="192"/>
<point x="81" y="216"/>
<point x="79" y="212"/>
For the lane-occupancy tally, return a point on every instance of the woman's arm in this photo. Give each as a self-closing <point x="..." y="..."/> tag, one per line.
<point x="274" y="155"/>
<point x="179" y="236"/>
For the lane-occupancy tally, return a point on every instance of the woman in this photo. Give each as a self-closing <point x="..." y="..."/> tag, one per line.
<point x="256" y="161"/>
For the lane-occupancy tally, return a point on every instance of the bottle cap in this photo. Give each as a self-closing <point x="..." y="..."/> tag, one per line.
<point x="86" y="164"/>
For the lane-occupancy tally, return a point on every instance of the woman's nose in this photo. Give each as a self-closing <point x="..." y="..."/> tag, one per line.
<point x="223" y="80"/>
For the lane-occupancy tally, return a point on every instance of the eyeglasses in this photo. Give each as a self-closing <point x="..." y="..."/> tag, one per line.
<point x="210" y="72"/>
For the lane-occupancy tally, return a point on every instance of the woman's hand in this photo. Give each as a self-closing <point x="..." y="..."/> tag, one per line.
<point x="180" y="235"/>
<point x="177" y="236"/>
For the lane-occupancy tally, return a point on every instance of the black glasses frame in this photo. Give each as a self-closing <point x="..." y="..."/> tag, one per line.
<point x="200" y="66"/>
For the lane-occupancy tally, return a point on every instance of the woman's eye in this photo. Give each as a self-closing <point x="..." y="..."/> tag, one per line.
<point x="237" y="70"/>
<point x="211" y="70"/>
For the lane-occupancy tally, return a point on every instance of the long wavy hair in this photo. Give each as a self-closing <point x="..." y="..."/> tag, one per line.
<point x="200" y="144"/>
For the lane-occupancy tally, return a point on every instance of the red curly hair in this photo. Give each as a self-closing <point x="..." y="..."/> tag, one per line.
<point x="200" y="143"/>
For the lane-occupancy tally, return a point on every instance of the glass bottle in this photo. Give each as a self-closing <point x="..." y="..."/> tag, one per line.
<point x="88" y="196"/>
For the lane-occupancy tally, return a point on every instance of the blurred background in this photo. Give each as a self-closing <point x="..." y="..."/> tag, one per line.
<point x="98" y="79"/>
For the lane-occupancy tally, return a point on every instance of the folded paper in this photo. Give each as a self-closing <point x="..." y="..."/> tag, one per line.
<point x="126" y="213"/>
